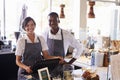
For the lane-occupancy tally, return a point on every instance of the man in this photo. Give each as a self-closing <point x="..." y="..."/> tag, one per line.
<point x="59" y="40"/>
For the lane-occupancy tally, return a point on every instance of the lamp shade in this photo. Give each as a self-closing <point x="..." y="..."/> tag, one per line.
<point x="91" y="11"/>
<point x="62" y="15"/>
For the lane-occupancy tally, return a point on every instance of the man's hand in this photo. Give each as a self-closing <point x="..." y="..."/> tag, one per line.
<point x="62" y="61"/>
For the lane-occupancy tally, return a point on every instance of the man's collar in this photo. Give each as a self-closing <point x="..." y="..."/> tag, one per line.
<point x="59" y="31"/>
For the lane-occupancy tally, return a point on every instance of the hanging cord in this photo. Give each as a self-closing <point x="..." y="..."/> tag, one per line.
<point x="50" y="5"/>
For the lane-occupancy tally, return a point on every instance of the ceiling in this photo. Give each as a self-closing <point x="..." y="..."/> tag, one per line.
<point x="110" y="1"/>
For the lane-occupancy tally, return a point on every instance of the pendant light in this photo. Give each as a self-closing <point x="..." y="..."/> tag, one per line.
<point x="62" y="15"/>
<point x="91" y="11"/>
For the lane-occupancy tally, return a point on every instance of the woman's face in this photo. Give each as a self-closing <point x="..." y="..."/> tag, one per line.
<point x="29" y="28"/>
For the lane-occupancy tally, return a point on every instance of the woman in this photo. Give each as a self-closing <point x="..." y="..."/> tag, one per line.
<point x="29" y="48"/>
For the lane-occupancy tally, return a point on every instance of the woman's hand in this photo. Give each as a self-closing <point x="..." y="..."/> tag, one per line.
<point x="28" y="69"/>
<point x="23" y="66"/>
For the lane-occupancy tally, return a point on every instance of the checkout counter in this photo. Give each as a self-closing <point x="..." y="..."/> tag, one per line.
<point x="8" y="67"/>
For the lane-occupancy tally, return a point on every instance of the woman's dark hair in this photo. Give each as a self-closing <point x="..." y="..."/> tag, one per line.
<point x="26" y="20"/>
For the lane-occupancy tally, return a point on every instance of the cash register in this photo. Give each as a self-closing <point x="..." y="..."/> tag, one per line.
<point x="5" y="46"/>
<point x="49" y="63"/>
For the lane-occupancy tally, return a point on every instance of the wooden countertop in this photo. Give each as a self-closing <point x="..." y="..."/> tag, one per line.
<point x="86" y="64"/>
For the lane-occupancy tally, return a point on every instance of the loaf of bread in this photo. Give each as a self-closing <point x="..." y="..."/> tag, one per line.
<point x="89" y="76"/>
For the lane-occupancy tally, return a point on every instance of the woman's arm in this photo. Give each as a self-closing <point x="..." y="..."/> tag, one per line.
<point x="23" y="66"/>
<point x="47" y="56"/>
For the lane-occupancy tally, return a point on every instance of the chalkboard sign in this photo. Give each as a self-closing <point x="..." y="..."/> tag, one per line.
<point x="44" y="74"/>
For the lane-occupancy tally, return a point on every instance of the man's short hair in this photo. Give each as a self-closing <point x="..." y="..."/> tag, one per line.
<point x="53" y="14"/>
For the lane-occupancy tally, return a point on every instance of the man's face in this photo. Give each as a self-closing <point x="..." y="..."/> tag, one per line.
<point x="53" y="22"/>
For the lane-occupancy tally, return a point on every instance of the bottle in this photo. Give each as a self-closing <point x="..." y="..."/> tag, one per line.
<point x="92" y="58"/>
